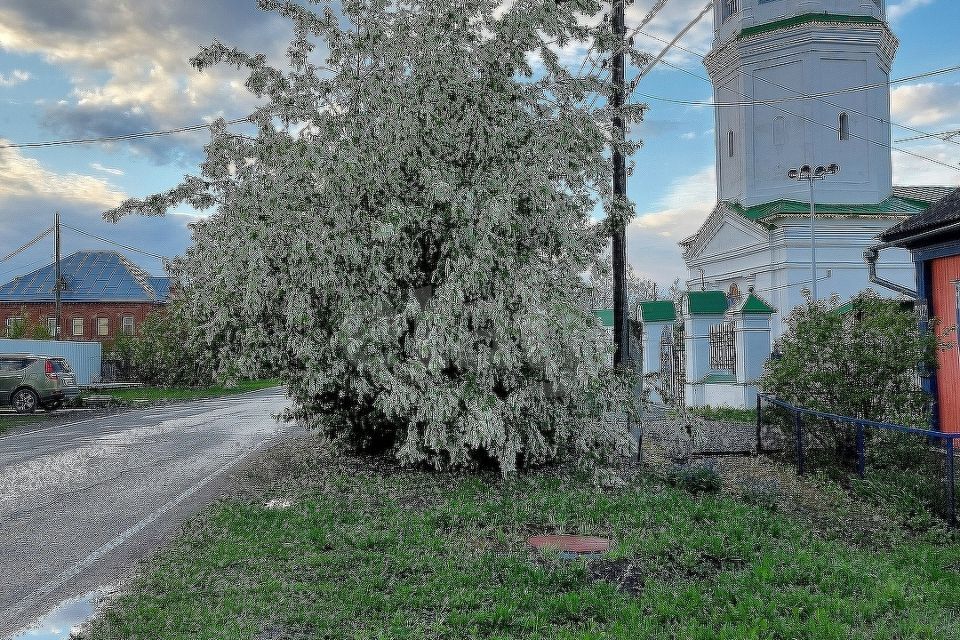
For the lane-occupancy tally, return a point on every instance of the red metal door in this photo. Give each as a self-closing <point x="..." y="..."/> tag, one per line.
<point x="944" y="273"/>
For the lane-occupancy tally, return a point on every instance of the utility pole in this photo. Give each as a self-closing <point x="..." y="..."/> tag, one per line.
<point x="621" y="326"/>
<point x="56" y="284"/>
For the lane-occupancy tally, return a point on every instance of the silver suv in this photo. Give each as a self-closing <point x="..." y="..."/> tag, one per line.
<point x="29" y="382"/>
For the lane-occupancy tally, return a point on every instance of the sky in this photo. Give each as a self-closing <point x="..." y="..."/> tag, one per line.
<point x="90" y="68"/>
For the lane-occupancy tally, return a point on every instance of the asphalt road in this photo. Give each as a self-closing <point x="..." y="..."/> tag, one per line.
<point x="81" y="502"/>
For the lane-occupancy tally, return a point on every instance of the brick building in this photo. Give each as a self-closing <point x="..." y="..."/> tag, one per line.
<point x="103" y="295"/>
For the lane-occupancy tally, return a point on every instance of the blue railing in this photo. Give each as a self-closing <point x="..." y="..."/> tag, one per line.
<point x="948" y="441"/>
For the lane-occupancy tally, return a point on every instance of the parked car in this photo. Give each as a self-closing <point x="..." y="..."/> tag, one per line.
<point x="29" y="382"/>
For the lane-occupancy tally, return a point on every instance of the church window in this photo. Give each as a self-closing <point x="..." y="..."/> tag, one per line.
<point x="728" y="8"/>
<point x="844" y="127"/>
<point x="730" y="143"/>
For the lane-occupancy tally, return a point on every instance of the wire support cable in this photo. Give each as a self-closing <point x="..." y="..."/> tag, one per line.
<point x="114" y="242"/>
<point x="43" y="234"/>
<point x="117" y="138"/>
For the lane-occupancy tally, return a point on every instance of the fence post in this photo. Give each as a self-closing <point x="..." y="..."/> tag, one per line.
<point x="951" y="483"/>
<point x="861" y="453"/>
<point x="798" y="428"/>
<point x="759" y="423"/>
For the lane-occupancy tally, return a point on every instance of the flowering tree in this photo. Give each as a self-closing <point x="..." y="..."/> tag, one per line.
<point x="403" y="238"/>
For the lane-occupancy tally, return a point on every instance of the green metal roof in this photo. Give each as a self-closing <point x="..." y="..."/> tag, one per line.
<point x="605" y="315"/>
<point x="719" y="377"/>
<point x="794" y="21"/>
<point x="753" y="304"/>
<point x="705" y="303"/>
<point x="657" y="311"/>
<point x="892" y="206"/>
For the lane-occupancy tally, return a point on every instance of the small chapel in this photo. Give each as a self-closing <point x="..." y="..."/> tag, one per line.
<point x="801" y="84"/>
<point x="802" y="120"/>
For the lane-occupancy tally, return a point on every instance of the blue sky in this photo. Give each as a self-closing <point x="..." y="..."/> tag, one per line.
<point x="88" y="68"/>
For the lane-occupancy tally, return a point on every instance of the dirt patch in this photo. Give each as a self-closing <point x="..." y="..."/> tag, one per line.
<point x="633" y="574"/>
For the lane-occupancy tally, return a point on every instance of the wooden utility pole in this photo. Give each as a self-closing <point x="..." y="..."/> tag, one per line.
<point x="621" y="325"/>
<point x="57" y="280"/>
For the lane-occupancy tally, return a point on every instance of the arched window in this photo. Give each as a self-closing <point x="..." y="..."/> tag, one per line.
<point x="730" y="143"/>
<point x="843" y="126"/>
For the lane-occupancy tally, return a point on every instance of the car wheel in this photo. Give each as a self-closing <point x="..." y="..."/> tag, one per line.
<point x="25" y="401"/>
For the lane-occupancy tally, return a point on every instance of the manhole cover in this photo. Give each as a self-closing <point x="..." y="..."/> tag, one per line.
<point x="571" y="545"/>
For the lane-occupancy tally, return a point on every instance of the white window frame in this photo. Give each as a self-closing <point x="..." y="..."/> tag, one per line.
<point x="73" y="326"/>
<point x="10" y="323"/>
<point x="52" y="326"/>
<point x="103" y="326"/>
<point x="128" y="325"/>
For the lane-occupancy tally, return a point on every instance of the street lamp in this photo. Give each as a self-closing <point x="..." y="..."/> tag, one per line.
<point x="807" y="173"/>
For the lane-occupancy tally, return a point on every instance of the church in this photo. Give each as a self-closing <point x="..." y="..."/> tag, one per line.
<point x="802" y="116"/>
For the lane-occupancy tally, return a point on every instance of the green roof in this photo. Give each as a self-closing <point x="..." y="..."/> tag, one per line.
<point x="794" y="21"/>
<point x="719" y="377"/>
<point x="605" y="315"/>
<point x="707" y="302"/>
<point x="657" y="311"/>
<point x="753" y="304"/>
<point x="893" y="206"/>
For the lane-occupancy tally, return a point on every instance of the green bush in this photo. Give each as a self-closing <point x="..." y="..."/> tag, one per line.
<point x="695" y="478"/>
<point x="161" y="354"/>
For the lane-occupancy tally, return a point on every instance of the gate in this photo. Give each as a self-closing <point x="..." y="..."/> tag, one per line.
<point x="672" y="365"/>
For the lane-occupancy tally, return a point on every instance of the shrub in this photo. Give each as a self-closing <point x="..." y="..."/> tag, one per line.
<point x="695" y="478"/>
<point x="163" y="353"/>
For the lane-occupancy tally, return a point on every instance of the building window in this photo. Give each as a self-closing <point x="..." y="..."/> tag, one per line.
<point x="103" y="326"/>
<point x="730" y="143"/>
<point x="128" y="325"/>
<point x="843" y="127"/>
<point x="78" y="326"/>
<point x="12" y="324"/>
<point x="728" y="8"/>
<point x="52" y="326"/>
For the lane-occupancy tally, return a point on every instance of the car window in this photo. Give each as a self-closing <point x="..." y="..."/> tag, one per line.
<point x="60" y="365"/>
<point x="13" y="364"/>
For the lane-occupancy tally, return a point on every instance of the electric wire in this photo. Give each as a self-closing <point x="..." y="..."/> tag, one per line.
<point x="821" y="97"/>
<point x="126" y="136"/>
<point x="43" y="234"/>
<point x="823" y="124"/>
<point x="114" y="242"/>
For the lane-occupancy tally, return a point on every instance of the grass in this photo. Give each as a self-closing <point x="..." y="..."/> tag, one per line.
<point x="183" y="393"/>
<point x="726" y="414"/>
<point x="367" y="551"/>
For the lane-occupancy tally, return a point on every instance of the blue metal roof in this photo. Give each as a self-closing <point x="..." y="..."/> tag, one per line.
<point x="89" y="276"/>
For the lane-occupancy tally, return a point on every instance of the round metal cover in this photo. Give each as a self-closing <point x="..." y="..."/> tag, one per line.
<point x="569" y="544"/>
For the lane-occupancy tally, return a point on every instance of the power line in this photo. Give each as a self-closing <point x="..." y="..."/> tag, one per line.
<point x="126" y="136"/>
<point x="821" y="124"/>
<point x="114" y="242"/>
<point x="23" y="248"/>
<point x="946" y="136"/>
<point x="821" y="96"/>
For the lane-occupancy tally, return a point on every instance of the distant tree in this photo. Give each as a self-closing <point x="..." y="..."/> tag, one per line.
<point x="404" y="235"/>
<point x="601" y="286"/>
<point x="26" y="327"/>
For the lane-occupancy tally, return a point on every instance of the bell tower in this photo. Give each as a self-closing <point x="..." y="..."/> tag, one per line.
<point x="802" y="82"/>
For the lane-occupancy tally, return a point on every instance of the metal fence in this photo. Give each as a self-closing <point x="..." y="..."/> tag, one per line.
<point x="916" y="467"/>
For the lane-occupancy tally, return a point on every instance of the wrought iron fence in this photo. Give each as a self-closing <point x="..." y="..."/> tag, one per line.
<point x="916" y="467"/>
<point x="723" y="347"/>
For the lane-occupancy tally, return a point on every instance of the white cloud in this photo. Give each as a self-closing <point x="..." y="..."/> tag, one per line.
<point x="910" y="170"/>
<point x="110" y="170"/>
<point x="926" y="104"/>
<point x="17" y="76"/>
<point x="652" y="237"/>
<point x="25" y="177"/>
<point x="900" y="9"/>
<point x="689" y="135"/>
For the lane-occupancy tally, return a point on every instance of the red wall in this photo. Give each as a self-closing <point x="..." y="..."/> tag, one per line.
<point x="89" y="311"/>
<point x="943" y="273"/>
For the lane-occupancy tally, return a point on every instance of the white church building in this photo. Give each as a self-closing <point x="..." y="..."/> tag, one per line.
<point x="797" y="84"/>
<point x="801" y="82"/>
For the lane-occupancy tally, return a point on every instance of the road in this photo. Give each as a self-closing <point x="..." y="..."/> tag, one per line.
<point x="82" y="502"/>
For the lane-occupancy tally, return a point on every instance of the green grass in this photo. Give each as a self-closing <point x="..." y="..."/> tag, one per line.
<point x="367" y="552"/>
<point x="183" y="393"/>
<point x="726" y="414"/>
<point x="9" y="421"/>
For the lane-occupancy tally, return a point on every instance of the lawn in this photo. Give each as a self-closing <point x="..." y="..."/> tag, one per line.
<point x="183" y="393"/>
<point x="365" y="550"/>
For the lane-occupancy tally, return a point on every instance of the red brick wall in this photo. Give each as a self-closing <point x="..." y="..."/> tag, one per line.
<point x="38" y="312"/>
